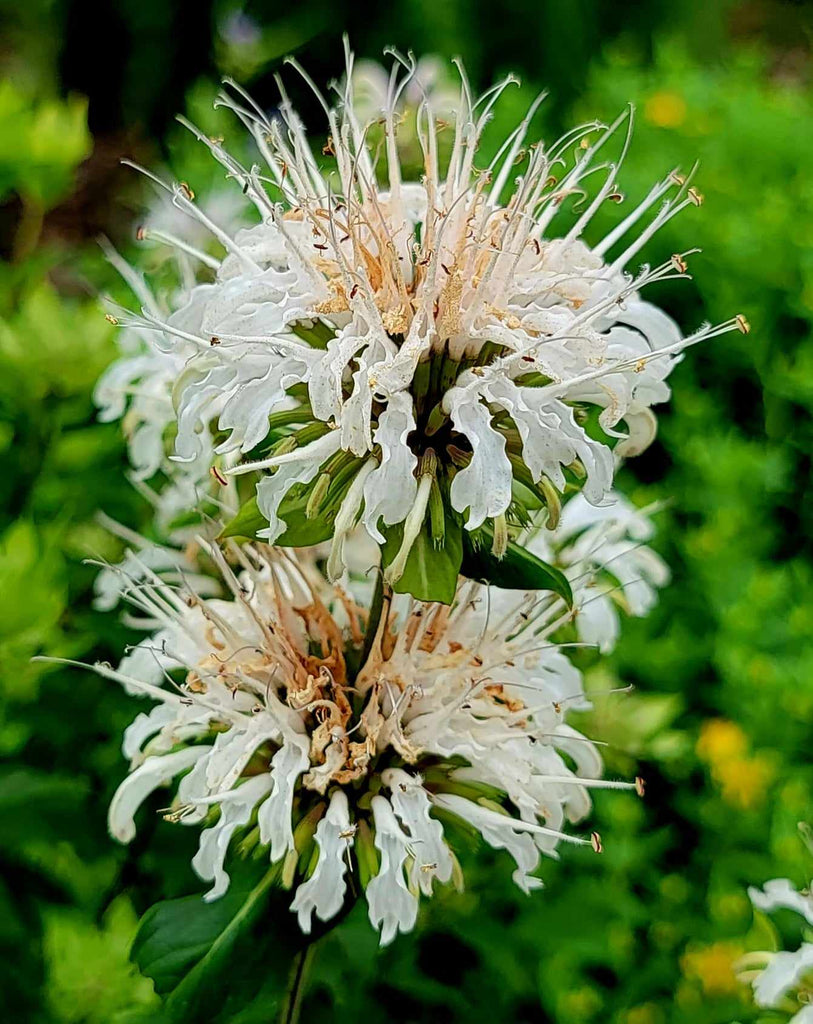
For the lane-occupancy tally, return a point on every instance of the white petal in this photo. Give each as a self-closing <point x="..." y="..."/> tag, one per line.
<point x="784" y="973"/>
<point x="484" y="486"/>
<point x="323" y="893"/>
<point x="139" y="784"/>
<point x="235" y="811"/>
<point x="392" y="907"/>
<point x="502" y="832"/>
<point x="390" y="490"/>
<point x="412" y="805"/>
<point x="780" y="893"/>
<point x="302" y="469"/>
<point x="274" y="818"/>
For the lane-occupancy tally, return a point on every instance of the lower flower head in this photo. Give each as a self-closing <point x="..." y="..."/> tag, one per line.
<point x="354" y="747"/>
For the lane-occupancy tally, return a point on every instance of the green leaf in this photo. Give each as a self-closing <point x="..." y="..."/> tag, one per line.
<point x="518" y="570"/>
<point x="246" y="523"/>
<point x="301" y="532"/>
<point x="202" y="956"/>
<point x="431" y="573"/>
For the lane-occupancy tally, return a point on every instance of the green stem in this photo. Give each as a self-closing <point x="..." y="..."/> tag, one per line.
<point x="296" y="989"/>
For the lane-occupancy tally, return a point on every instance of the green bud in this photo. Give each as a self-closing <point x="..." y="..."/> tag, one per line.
<point x="315" y="332"/>
<point x="317" y="496"/>
<point x="283" y="446"/>
<point x="420" y="382"/>
<point x="459" y="458"/>
<point x="499" y="545"/>
<point x="304" y="833"/>
<point x="437" y="418"/>
<point x="249" y="842"/>
<point x="552" y="501"/>
<point x="437" y="515"/>
<point x="302" y="414"/>
<point x="366" y="854"/>
<point x="289" y="869"/>
<point x="449" y="373"/>
<point x="428" y="464"/>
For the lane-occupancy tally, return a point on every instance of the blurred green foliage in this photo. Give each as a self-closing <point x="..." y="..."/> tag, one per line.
<point x="720" y="723"/>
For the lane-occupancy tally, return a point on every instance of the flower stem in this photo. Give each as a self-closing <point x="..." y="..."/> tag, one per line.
<point x="296" y="987"/>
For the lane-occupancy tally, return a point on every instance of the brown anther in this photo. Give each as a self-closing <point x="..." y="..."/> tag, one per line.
<point x="537" y="246"/>
<point x="319" y="245"/>
<point x="187" y="191"/>
<point x="595" y="842"/>
<point x="616" y="197"/>
<point x="640" y="786"/>
<point x="214" y="341"/>
<point x="742" y="324"/>
<point x="354" y="291"/>
<point x="218" y="476"/>
<point x="679" y="263"/>
<point x="327" y="149"/>
<point x="551" y="181"/>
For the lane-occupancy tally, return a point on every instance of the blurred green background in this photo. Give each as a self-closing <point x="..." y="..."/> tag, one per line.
<point x="721" y="721"/>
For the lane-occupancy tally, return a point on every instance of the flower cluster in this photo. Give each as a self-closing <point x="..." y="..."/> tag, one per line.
<point x="369" y="351"/>
<point x="350" y="767"/>
<point x="415" y="386"/>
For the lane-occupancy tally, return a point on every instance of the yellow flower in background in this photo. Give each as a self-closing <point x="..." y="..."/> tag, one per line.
<point x="665" y="109"/>
<point x="646" y="1013"/>
<point x="713" y="967"/>
<point x="743" y="779"/>
<point x="721" y="740"/>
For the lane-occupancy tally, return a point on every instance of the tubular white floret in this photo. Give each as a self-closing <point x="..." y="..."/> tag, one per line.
<point x="447" y="298"/>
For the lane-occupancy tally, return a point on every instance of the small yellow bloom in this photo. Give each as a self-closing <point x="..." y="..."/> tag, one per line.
<point x="646" y="1013"/>
<point x="713" y="967"/>
<point x="744" y="781"/>
<point x="665" y="109"/>
<point x="720" y="740"/>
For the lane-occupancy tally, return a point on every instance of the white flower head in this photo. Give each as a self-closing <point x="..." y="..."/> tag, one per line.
<point x="444" y="338"/>
<point x="455" y="720"/>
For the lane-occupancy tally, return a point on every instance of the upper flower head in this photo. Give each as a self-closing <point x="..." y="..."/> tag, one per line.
<point x="381" y="347"/>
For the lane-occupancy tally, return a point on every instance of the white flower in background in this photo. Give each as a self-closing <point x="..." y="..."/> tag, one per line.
<point x="603" y="552"/>
<point x="430" y="80"/>
<point x="457" y="719"/>
<point x="370" y="344"/>
<point x="784" y="980"/>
